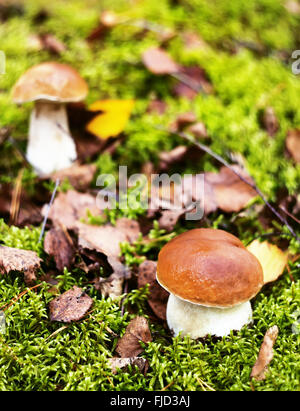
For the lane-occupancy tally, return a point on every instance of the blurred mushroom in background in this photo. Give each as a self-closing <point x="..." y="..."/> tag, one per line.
<point x="50" y="86"/>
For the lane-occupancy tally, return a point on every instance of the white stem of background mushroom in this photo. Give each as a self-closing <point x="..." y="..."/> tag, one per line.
<point x="199" y="321"/>
<point x="50" y="145"/>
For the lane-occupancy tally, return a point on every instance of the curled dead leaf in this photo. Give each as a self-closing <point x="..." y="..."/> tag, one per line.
<point x="116" y="363"/>
<point x="58" y="244"/>
<point x="68" y="208"/>
<point x="158" y="296"/>
<point x="70" y="306"/>
<point x="265" y="355"/>
<point x="272" y="259"/>
<point x="25" y="261"/>
<point x="270" y="121"/>
<point x="107" y="238"/>
<point x="136" y="331"/>
<point x="79" y="176"/>
<point x="293" y="144"/>
<point x="157" y="61"/>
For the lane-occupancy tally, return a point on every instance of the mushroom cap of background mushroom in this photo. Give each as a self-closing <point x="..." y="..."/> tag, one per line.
<point x="209" y="267"/>
<point x="50" y="81"/>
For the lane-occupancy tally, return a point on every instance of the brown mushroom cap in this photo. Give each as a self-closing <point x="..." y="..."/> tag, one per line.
<point x="50" y="81"/>
<point x="209" y="267"/>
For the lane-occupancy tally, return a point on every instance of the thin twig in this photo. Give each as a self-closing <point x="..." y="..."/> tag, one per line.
<point x="16" y="196"/>
<point x="226" y="164"/>
<point x="48" y="209"/>
<point x="15" y="299"/>
<point x="188" y="81"/>
<point x="289" y="214"/>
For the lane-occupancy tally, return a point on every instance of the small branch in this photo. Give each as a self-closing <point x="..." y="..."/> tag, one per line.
<point x="226" y="164"/>
<point x="188" y="81"/>
<point x="48" y="209"/>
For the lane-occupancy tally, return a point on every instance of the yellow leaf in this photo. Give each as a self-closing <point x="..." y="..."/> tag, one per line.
<point x="113" y="120"/>
<point x="271" y="258"/>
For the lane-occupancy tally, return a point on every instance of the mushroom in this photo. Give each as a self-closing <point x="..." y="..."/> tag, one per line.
<point x="211" y="278"/>
<point x="50" y="85"/>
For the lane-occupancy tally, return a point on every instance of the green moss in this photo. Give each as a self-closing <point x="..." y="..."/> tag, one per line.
<point x="245" y="82"/>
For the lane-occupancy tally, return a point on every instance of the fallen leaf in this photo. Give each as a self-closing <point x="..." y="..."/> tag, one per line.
<point x="293" y="144"/>
<point x="28" y="214"/>
<point x="169" y="219"/>
<point x="46" y="42"/>
<point x="107" y="238"/>
<point x="182" y="120"/>
<point x="293" y="7"/>
<point x="198" y="130"/>
<point x="113" y="120"/>
<point x="123" y="364"/>
<point x="157" y="106"/>
<point x="158" y="296"/>
<point x="272" y="259"/>
<point x="157" y="61"/>
<point x="58" y="244"/>
<point x="68" y="208"/>
<point x="270" y="121"/>
<point x="70" y="306"/>
<point x="198" y="76"/>
<point x="14" y="259"/>
<point x="79" y="176"/>
<point x="108" y="19"/>
<point x="136" y="331"/>
<point x="52" y="44"/>
<point x="111" y="287"/>
<point x="265" y="355"/>
<point x="179" y="154"/>
<point x="193" y="41"/>
<point x="231" y="194"/>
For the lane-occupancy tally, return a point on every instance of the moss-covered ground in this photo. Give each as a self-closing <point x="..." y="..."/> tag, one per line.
<point x="32" y="355"/>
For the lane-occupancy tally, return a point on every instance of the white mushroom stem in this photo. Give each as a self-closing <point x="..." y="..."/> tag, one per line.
<point x="50" y="145"/>
<point x="199" y="321"/>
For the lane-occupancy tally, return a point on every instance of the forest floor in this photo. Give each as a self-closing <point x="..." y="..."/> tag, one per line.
<point x="239" y="55"/>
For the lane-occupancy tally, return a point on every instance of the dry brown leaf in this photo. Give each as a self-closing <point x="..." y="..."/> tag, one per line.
<point x="70" y="306"/>
<point x="293" y="144"/>
<point x="231" y="194"/>
<point x="198" y="130"/>
<point x="68" y="208"/>
<point x="193" y="41"/>
<point x="136" y="331"/>
<point x="198" y="76"/>
<point x="107" y="20"/>
<point x="270" y="121"/>
<point x="272" y="259"/>
<point x="158" y="296"/>
<point x="158" y="61"/>
<point x="116" y="363"/>
<point x="169" y="219"/>
<point x="58" y="244"/>
<point x="157" y="106"/>
<point x="293" y="6"/>
<point x="14" y="259"/>
<point x="112" y="286"/>
<point x="79" y="176"/>
<point x="182" y="120"/>
<point x="265" y="355"/>
<point x="107" y="238"/>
